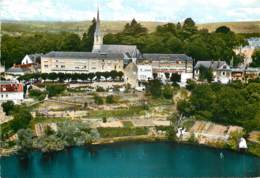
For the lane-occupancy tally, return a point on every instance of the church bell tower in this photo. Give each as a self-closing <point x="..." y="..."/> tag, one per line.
<point x="98" y="37"/>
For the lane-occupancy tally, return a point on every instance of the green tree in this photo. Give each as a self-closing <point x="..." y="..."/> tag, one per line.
<point x="205" y="74"/>
<point x="98" y="100"/>
<point x="8" y="107"/>
<point x="175" y="77"/>
<point x="167" y="91"/>
<point x="223" y="29"/>
<point x="25" y="140"/>
<point x="134" y="28"/>
<point x="110" y="99"/>
<point x="54" y="90"/>
<point x="155" y="88"/>
<point x="256" y="58"/>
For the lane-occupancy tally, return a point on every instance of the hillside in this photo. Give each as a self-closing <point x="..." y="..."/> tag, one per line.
<point x="16" y="27"/>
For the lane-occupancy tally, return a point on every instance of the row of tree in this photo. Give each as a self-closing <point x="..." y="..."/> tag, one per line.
<point x="178" y="38"/>
<point x="112" y="75"/>
<point x="168" y="38"/>
<point x="14" y="48"/>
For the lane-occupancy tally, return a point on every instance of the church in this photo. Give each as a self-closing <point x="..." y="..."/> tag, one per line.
<point x="105" y="58"/>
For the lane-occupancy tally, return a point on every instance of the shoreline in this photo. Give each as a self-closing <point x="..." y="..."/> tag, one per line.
<point x="144" y="138"/>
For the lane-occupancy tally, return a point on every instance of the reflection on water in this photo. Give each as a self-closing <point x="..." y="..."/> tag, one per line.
<point x="160" y="159"/>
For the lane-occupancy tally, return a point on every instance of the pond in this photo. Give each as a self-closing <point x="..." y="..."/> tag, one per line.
<point x="132" y="159"/>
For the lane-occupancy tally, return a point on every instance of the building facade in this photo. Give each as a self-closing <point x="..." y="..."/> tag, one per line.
<point x="81" y="62"/>
<point x="171" y="63"/>
<point x="11" y="91"/>
<point x="144" y="71"/>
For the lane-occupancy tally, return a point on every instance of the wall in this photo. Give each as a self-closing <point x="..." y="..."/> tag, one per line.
<point x="80" y="65"/>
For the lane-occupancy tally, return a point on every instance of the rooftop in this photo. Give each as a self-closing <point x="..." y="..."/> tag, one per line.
<point x="172" y="57"/>
<point x="128" y="50"/>
<point x="82" y="55"/>
<point x="210" y="64"/>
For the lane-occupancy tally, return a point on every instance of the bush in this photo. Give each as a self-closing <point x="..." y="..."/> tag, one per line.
<point x="119" y="132"/>
<point x="100" y="89"/>
<point x="168" y="91"/>
<point x="8" y="107"/>
<point x="110" y="99"/>
<point x="37" y="94"/>
<point x="54" y="90"/>
<point x="98" y="100"/>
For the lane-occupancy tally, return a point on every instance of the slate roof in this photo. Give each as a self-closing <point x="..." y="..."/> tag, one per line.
<point x="210" y="64"/>
<point x="36" y="58"/>
<point x="131" y="51"/>
<point x="83" y="55"/>
<point x="172" y="57"/>
<point x="17" y="70"/>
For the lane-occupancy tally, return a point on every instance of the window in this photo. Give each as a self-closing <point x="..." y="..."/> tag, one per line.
<point x="57" y="66"/>
<point x="46" y="66"/>
<point x="2" y="96"/>
<point x="62" y="66"/>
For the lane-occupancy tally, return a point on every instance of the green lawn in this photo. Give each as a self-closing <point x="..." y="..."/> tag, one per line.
<point x="119" y="132"/>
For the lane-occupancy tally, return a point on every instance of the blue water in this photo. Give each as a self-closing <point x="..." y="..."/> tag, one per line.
<point x="159" y="159"/>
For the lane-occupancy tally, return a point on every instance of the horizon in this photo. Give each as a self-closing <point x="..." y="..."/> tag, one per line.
<point x="200" y="11"/>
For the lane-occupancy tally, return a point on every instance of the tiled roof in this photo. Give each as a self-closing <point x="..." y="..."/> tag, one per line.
<point x="210" y="64"/>
<point x="82" y="55"/>
<point x="11" y="87"/>
<point x="130" y="51"/>
<point x="173" y="57"/>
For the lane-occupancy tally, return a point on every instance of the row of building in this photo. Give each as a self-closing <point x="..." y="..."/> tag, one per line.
<point x="137" y="67"/>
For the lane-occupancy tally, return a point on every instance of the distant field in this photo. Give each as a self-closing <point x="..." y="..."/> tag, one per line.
<point x="238" y="27"/>
<point x="17" y="27"/>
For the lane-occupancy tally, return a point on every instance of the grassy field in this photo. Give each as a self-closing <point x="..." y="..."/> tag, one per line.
<point x="18" y="27"/>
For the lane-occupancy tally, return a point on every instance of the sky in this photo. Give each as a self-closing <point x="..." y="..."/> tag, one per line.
<point x="202" y="11"/>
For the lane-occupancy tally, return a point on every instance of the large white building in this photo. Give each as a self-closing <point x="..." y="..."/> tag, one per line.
<point x="81" y="62"/>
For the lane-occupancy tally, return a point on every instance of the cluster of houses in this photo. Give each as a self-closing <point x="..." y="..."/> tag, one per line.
<point x="137" y="67"/>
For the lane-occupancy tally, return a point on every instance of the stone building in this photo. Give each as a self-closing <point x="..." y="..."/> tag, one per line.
<point x="171" y="63"/>
<point x="81" y="62"/>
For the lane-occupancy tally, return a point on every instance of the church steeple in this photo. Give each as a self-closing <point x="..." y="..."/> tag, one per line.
<point x="98" y="37"/>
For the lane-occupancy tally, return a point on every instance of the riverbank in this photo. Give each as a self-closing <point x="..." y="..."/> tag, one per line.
<point x="149" y="138"/>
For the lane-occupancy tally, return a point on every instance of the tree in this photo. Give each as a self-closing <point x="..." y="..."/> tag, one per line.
<point x="114" y="74"/>
<point x="71" y="43"/>
<point x="223" y="29"/>
<point x="98" y="100"/>
<point x="167" y="91"/>
<point x="175" y="77"/>
<point x="155" y="88"/>
<point x="22" y="118"/>
<point x="25" y="139"/>
<point x="134" y="28"/>
<point x="8" y="107"/>
<point x="256" y="58"/>
<point x="189" y="27"/>
<point x="54" y="90"/>
<point x="110" y="99"/>
<point x="205" y="74"/>
<point x="120" y="75"/>
<point x="167" y="75"/>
